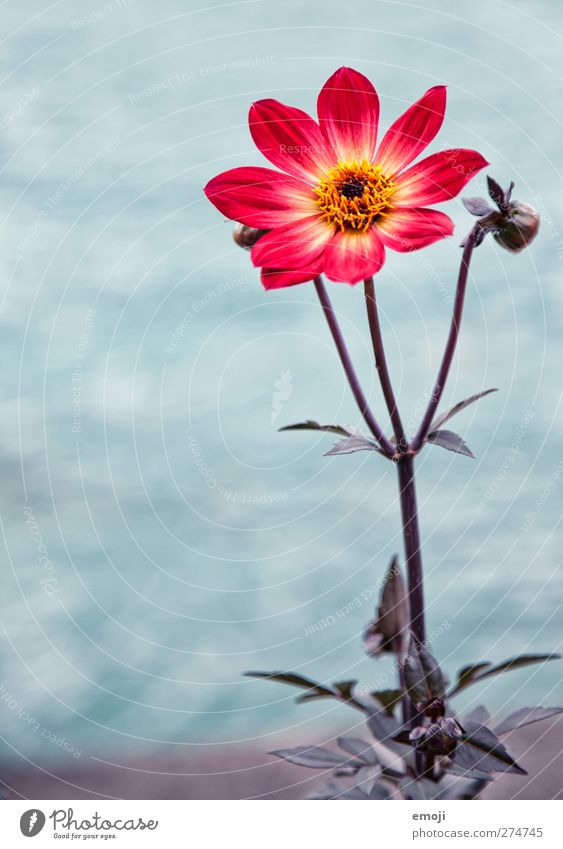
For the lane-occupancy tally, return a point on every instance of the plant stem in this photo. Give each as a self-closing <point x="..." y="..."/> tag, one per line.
<point x="386" y="446"/>
<point x="449" y="350"/>
<point x="381" y="365"/>
<point x="411" y="537"/>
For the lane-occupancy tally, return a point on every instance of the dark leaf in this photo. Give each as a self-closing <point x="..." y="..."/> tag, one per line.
<point x="481" y="749"/>
<point x="420" y="790"/>
<point x="389" y="699"/>
<point x="479" y="714"/>
<point x="318" y="691"/>
<point x="330" y="790"/>
<point x="476" y="206"/>
<point x="463" y="788"/>
<point x="526" y="716"/>
<point x="387" y="632"/>
<point x="442" y="418"/>
<point x="474" y="774"/>
<point x="379" y="791"/>
<point x="423" y="677"/>
<point x="313" y="694"/>
<point x="496" y="193"/>
<point x="345" y="688"/>
<point x="385" y="729"/>
<point x="353" y="793"/>
<point x="466" y="675"/>
<point x="352" y="444"/>
<point x="359" y="748"/>
<point x="472" y="675"/>
<point x="312" y="425"/>
<point x="450" y="441"/>
<point x="314" y="757"/>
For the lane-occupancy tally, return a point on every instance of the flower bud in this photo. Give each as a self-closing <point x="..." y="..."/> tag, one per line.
<point x="513" y="224"/>
<point x="438" y="738"/>
<point x="519" y="228"/>
<point x="246" y="237"/>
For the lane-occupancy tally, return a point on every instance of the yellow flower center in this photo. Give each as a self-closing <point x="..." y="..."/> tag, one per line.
<point x="353" y="194"/>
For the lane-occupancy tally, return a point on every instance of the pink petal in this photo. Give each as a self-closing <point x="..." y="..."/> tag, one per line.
<point x="437" y="177"/>
<point x="273" y="278"/>
<point x="412" y="132"/>
<point x="260" y="197"/>
<point x="295" y="246"/>
<point x="348" y="109"/>
<point x="290" y="139"/>
<point x="405" y="229"/>
<point x="352" y="256"/>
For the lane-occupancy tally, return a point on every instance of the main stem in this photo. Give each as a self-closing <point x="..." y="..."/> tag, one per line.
<point x="349" y="370"/>
<point x="411" y="538"/>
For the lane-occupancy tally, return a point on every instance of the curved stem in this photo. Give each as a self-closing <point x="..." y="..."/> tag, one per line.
<point x="381" y="364"/>
<point x="387" y="447"/>
<point x="449" y="350"/>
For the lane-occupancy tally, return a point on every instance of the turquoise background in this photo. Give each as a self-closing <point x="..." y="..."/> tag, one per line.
<point x="181" y="539"/>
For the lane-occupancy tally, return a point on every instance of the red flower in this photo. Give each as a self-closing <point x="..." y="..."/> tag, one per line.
<point x="337" y="206"/>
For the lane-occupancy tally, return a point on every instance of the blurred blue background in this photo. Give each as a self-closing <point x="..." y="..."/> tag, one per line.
<point x="158" y="535"/>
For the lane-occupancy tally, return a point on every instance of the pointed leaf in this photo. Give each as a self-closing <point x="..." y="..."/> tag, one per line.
<point x="314" y="757"/>
<point x="442" y="418"/>
<point x="481" y="749"/>
<point x="387" y="632"/>
<point x="479" y="714"/>
<point x="465" y="678"/>
<point x="389" y="699"/>
<point x="294" y="680"/>
<point x="476" y="206"/>
<point x="379" y="791"/>
<point x="385" y="729"/>
<point x="450" y="441"/>
<point x="462" y="788"/>
<point x="467" y="673"/>
<point x="496" y="193"/>
<point x="420" y="790"/>
<point x="353" y="793"/>
<point x="345" y="688"/>
<point x="352" y="444"/>
<point x="310" y="424"/>
<point x="359" y="748"/>
<point x="526" y="716"/>
<point x="474" y="774"/>
<point x="423" y="678"/>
